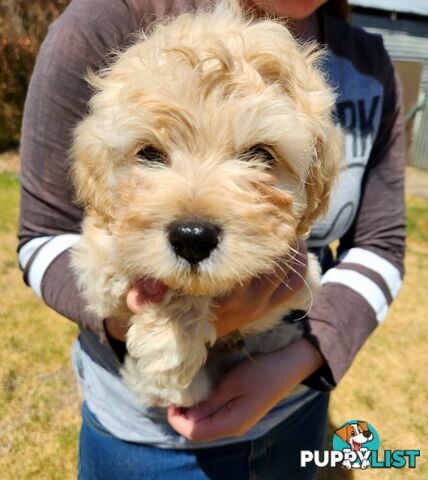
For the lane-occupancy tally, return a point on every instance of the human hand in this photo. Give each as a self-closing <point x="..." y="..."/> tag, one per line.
<point x="249" y="302"/>
<point x="246" y="393"/>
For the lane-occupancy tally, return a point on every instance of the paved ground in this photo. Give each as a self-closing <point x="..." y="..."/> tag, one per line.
<point x="417" y="181"/>
<point x="9" y="162"/>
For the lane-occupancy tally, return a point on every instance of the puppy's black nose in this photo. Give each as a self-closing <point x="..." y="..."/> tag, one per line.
<point x="367" y="433"/>
<point x="193" y="240"/>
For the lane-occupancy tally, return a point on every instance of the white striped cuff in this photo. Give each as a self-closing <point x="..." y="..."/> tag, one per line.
<point x="357" y="282"/>
<point x="49" y="249"/>
<point x="362" y="284"/>
<point x="377" y="264"/>
<point x="27" y="251"/>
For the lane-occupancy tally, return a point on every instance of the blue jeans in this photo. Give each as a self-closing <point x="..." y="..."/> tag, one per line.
<point x="275" y="456"/>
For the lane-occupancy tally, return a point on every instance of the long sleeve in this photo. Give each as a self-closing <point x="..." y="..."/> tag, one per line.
<point x="50" y="222"/>
<point x="356" y="293"/>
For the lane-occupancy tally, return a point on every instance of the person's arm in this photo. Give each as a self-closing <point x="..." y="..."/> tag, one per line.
<point x="56" y="101"/>
<point x="356" y="294"/>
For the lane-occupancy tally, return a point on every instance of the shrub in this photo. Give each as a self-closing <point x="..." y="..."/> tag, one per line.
<point x="23" y="25"/>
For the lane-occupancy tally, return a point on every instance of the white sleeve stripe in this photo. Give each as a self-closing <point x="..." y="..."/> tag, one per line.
<point x="26" y="251"/>
<point x="368" y="289"/>
<point x="45" y="257"/>
<point x="375" y="262"/>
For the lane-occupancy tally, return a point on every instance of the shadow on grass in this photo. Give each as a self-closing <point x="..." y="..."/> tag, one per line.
<point x="337" y="473"/>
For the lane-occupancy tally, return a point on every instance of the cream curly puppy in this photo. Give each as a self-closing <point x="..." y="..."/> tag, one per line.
<point x="208" y="149"/>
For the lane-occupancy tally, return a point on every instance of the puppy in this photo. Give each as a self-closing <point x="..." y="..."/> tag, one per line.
<point x="209" y="148"/>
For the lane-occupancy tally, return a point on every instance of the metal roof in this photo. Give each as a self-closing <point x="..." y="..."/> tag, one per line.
<point x="401" y="46"/>
<point x="405" y="39"/>
<point x="417" y="7"/>
<point x="405" y="47"/>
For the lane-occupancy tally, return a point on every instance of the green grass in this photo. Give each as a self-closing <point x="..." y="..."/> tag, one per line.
<point x="9" y="193"/>
<point x="39" y="407"/>
<point x="417" y="219"/>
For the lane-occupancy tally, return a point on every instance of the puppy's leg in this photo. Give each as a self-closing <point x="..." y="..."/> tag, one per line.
<point x="167" y="347"/>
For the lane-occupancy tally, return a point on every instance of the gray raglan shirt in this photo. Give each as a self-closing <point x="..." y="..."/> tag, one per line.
<point x="366" y="214"/>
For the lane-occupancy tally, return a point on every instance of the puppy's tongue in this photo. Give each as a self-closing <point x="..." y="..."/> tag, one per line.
<point x="145" y="290"/>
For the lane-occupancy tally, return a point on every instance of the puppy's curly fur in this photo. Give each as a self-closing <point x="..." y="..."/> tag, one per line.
<point x="214" y="117"/>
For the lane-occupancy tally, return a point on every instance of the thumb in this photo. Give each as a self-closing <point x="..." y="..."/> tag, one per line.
<point x="145" y="290"/>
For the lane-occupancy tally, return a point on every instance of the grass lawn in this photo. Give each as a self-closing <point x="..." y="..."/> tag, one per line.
<point x="39" y="405"/>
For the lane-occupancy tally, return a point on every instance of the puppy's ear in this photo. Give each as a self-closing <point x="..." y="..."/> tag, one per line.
<point x="321" y="175"/>
<point x="364" y="426"/>
<point x="343" y="433"/>
<point x="90" y="173"/>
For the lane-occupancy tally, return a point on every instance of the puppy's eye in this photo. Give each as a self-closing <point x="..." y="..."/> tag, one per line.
<point x="151" y="155"/>
<point x="260" y="152"/>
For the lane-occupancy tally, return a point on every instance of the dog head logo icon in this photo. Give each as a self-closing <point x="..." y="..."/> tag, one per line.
<point x="355" y="434"/>
<point x="356" y="439"/>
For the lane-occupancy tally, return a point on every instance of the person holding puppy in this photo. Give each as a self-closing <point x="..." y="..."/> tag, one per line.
<point x="261" y="415"/>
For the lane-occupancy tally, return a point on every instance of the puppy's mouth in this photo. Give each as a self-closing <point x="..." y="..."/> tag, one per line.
<point x="194" y="280"/>
<point x="198" y="257"/>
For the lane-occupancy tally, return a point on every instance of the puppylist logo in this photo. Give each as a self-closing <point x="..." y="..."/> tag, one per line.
<point x="356" y="445"/>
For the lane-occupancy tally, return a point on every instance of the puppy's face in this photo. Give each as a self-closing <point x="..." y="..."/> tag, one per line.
<point x="208" y="148"/>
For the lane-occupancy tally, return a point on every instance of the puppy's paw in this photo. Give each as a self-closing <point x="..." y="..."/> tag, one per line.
<point x="163" y="394"/>
<point x="198" y="390"/>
